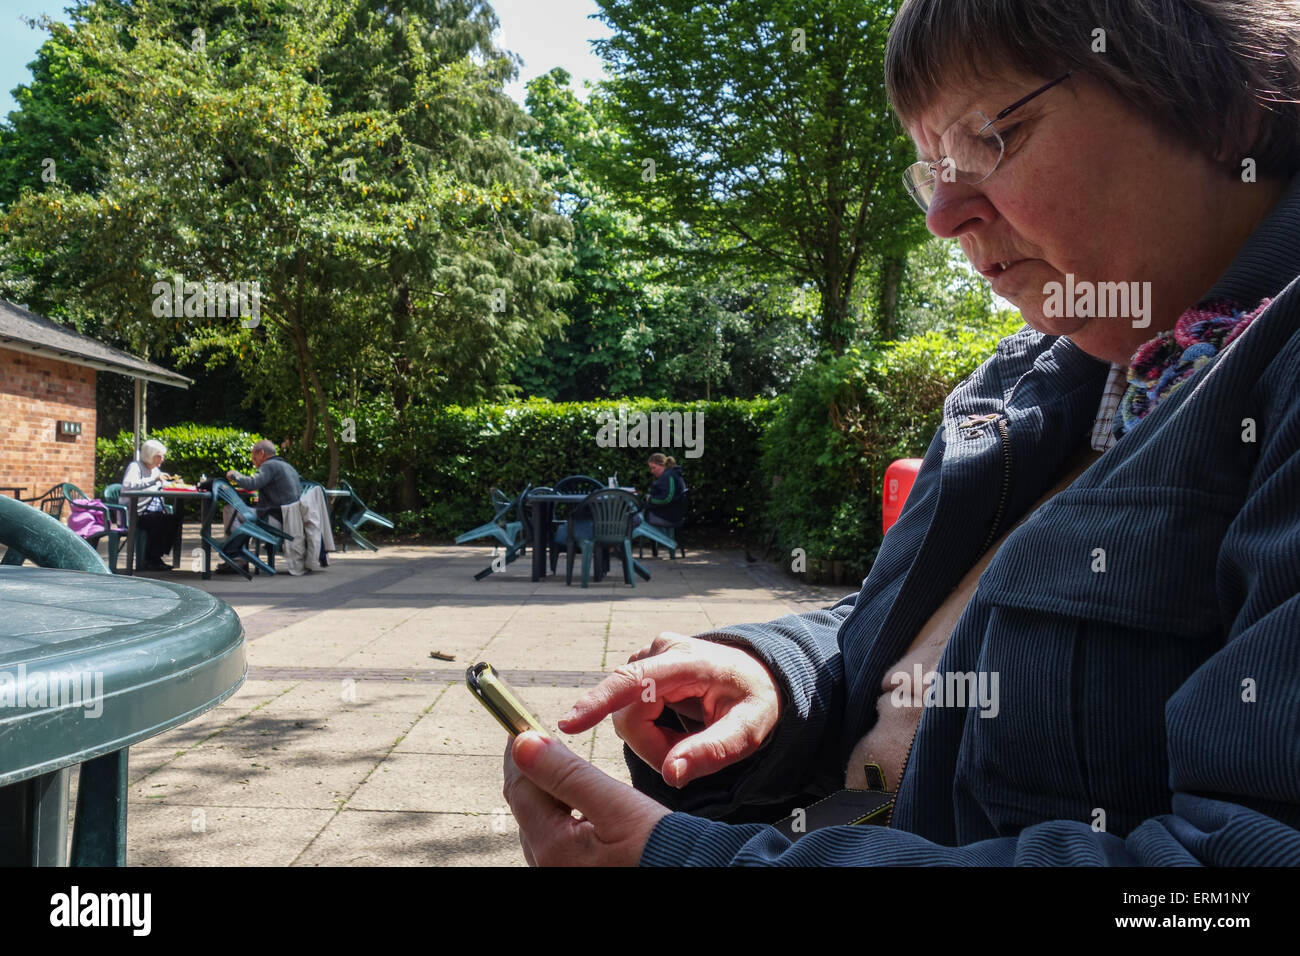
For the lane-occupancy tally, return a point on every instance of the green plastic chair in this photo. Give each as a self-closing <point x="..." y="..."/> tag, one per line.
<point x="355" y="514"/>
<point x="572" y="485"/>
<point x="250" y="529"/>
<point x="113" y="497"/>
<point x="35" y="536"/>
<point x="517" y="536"/>
<point x="51" y="502"/>
<point x="661" y="534"/>
<point x="578" y="485"/>
<point x="506" y="532"/>
<point x="603" y="519"/>
<point x="657" y="535"/>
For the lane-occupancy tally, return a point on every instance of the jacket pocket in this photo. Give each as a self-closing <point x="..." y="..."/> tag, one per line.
<point x="1092" y="614"/>
<point x="1134" y="557"/>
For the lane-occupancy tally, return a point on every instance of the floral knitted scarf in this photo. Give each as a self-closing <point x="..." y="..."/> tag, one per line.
<point x="1163" y="365"/>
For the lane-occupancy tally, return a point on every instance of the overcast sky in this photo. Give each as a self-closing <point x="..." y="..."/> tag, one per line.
<point x="545" y="33"/>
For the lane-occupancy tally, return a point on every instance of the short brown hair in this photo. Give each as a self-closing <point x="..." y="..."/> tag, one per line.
<point x="1222" y="76"/>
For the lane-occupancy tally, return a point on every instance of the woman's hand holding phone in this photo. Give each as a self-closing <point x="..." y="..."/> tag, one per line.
<point x="727" y="689"/>
<point x="545" y="782"/>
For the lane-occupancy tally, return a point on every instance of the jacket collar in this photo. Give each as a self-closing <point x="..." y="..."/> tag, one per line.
<point x="1269" y="259"/>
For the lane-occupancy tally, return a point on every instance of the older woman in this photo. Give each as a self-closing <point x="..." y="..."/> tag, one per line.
<point x="158" y="525"/>
<point x="1098" y="569"/>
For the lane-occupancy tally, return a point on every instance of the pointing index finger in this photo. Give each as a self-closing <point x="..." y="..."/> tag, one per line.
<point x="627" y="685"/>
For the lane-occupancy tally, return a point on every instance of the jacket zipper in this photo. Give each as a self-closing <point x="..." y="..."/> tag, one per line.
<point x="1005" y="434"/>
<point x="889" y="821"/>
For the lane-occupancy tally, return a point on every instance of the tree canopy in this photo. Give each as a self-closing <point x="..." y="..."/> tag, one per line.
<point x="766" y="129"/>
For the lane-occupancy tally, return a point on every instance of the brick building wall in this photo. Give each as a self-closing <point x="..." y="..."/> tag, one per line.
<point x="36" y="393"/>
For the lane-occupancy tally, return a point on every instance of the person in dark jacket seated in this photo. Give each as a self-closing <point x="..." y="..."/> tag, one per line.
<point x="277" y="483"/>
<point x="666" y="501"/>
<point x="1097" y="566"/>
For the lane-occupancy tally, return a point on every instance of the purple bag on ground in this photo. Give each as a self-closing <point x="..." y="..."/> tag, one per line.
<point x="87" y="517"/>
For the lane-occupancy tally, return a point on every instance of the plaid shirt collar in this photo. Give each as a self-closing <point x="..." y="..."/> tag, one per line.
<point x="1116" y="384"/>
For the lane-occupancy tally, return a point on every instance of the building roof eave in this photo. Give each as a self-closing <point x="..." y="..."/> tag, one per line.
<point x="22" y="330"/>
<point x="145" y="370"/>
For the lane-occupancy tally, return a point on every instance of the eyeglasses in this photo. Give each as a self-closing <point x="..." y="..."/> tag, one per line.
<point x="971" y="150"/>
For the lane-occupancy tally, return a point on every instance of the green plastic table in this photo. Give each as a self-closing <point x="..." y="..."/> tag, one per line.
<point x="91" y="663"/>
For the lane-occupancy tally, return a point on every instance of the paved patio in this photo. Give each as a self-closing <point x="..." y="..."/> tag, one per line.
<point x="349" y="744"/>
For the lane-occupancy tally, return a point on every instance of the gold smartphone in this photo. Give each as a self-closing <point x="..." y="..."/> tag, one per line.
<point x="493" y="694"/>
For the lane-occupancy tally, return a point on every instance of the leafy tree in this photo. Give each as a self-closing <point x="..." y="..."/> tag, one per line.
<point x="46" y="139"/>
<point x="247" y="150"/>
<point x="941" y="292"/>
<point x="431" y="67"/>
<point x="766" y="129"/>
<point x="614" y="299"/>
<point x="738" y="338"/>
<point x="641" y="322"/>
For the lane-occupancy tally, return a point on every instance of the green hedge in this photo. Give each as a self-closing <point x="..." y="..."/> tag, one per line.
<point x="844" y="421"/>
<point x="461" y="453"/>
<point x="192" y="450"/>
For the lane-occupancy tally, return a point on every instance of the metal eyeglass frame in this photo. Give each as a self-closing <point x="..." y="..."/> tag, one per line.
<point x="914" y="188"/>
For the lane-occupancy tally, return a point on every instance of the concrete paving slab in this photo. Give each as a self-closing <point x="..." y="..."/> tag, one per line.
<point x="606" y="744"/>
<point x="398" y="697"/>
<point x="412" y="655"/>
<point x="646" y="627"/>
<point x="684" y="607"/>
<point x="547" y="618"/>
<point x="276" y="650"/>
<point x="170" y="835"/>
<point x="614" y="768"/>
<point x="254" y="773"/>
<point x="330" y="728"/>
<point x="391" y="838"/>
<point x="171" y="744"/>
<point x="251" y="693"/>
<point x="571" y="651"/>
<point x="357" y="618"/>
<point x="446" y="609"/>
<point x="412" y="645"/>
<point x="433" y="782"/>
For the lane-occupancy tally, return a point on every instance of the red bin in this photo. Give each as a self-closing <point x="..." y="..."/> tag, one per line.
<point x="899" y="478"/>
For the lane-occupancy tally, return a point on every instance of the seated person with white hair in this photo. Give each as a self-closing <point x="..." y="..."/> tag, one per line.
<point x="277" y="483"/>
<point x="159" y="526"/>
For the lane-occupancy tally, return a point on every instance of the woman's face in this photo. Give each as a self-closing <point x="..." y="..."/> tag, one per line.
<point x="1086" y="187"/>
<point x="656" y="470"/>
<point x="155" y="462"/>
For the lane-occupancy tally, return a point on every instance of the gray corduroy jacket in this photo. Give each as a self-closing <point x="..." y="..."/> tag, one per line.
<point x="1148" y="713"/>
